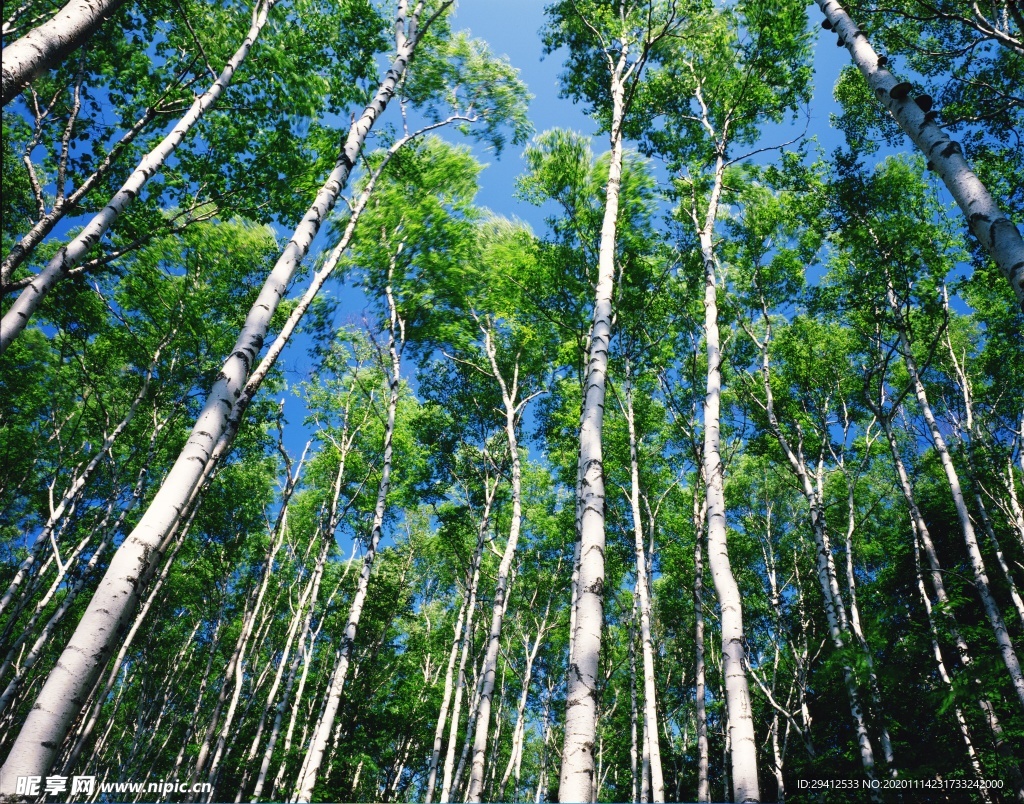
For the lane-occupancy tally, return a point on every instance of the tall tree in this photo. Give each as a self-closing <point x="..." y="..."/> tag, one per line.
<point x="717" y="114"/>
<point x="115" y="600"/>
<point x="609" y="47"/>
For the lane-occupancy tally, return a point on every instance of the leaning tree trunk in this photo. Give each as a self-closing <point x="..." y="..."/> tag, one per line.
<point x="278" y="535"/>
<point x="16" y="319"/>
<point x="981" y="582"/>
<point x="996" y="233"/>
<point x="857" y="629"/>
<point x="47" y="45"/>
<point x="318" y="742"/>
<point x="307" y="598"/>
<point x="577" y="774"/>
<point x="116" y="599"/>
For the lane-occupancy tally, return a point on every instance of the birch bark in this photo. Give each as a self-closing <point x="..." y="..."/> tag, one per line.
<point x="737" y="690"/>
<point x="16" y="318"/>
<point x="45" y="46"/>
<point x="968" y="444"/>
<point x="965" y="732"/>
<point x="996" y="233"/>
<point x="326" y="531"/>
<point x="633" y="754"/>
<point x="653" y="748"/>
<point x="460" y="689"/>
<point x="577" y="774"/>
<point x="115" y="600"/>
<point x="741" y="726"/>
<point x="700" y="691"/>
<point x="858" y="631"/>
<point x="318" y="742"/>
<point x="279" y="534"/>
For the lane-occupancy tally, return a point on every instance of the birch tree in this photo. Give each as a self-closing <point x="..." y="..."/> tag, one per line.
<point x="116" y="598"/>
<point x="994" y="230"/>
<point x="46" y="45"/>
<point x="711" y="119"/>
<point x="609" y="45"/>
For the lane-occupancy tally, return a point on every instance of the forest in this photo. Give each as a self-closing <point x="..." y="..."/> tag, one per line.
<point x="325" y="479"/>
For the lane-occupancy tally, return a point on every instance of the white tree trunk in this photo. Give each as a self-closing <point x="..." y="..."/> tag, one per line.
<point x="460" y="689"/>
<point x="968" y="444"/>
<point x="1017" y="513"/>
<point x="996" y="233"/>
<point x="306" y="601"/>
<point x="653" y="748"/>
<point x="633" y="753"/>
<point x="16" y="318"/>
<point x="700" y="691"/>
<point x="309" y="639"/>
<point x="578" y="772"/>
<point x="278" y="535"/>
<point x="116" y="599"/>
<point x="474" y="709"/>
<point x="858" y="631"/>
<point x="318" y="742"/>
<point x="513" y="409"/>
<point x="89" y="723"/>
<point x="45" y="46"/>
<point x="442" y="715"/>
<point x="737" y="689"/>
<point x="981" y="583"/>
